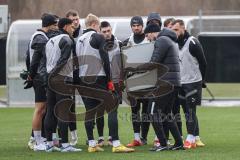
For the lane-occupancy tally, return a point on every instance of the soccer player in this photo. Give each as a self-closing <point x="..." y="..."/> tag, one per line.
<point x="58" y="51"/>
<point x="112" y="47"/>
<point x="139" y="122"/>
<point x="94" y="67"/>
<point x="74" y="16"/>
<point x="34" y="58"/>
<point x="88" y="45"/>
<point x="193" y="69"/>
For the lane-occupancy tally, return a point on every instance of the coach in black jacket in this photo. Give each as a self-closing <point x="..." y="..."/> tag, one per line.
<point x="165" y="53"/>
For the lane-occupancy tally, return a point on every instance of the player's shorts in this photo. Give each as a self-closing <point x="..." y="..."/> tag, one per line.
<point x="191" y="93"/>
<point x="39" y="89"/>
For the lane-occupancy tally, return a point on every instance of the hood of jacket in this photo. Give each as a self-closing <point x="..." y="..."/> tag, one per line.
<point x="168" y="33"/>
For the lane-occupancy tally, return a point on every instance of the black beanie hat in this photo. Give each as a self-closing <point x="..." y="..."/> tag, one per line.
<point x="48" y="19"/>
<point x="136" y="20"/>
<point x="154" y="16"/>
<point x="152" y="28"/>
<point x="64" y="21"/>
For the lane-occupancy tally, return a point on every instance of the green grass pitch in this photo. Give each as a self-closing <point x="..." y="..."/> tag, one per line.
<point x="219" y="129"/>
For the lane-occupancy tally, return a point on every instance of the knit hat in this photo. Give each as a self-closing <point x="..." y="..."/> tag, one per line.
<point x="136" y="20"/>
<point x="151" y="28"/>
<point x="64" y="21"/>
<point x="154" y="16"/>
<point x="48" y="19"/>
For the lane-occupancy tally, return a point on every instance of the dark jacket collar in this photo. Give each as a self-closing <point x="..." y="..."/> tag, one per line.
<point x="138" y="38"/>
<point x="62" y="31"/>
<point x="76" y="32"/>
<point x="41" y="30"/>
<point x="183" y="39"/>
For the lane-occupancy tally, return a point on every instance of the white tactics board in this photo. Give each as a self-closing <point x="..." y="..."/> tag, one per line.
<point x="134" y="56"/>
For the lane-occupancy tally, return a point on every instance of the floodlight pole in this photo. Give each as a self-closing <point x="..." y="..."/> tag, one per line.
<point x="200" y="12"/>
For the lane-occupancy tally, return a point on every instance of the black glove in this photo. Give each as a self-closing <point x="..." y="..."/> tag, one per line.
<point x="204" y="85"/>
<point x="24" y="74"/>
<point x="28" y="84"/>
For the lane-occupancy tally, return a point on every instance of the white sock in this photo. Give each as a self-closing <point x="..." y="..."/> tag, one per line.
<point x="101" y="138"/>
<point x="156" y="138"/>
<point x="137" y="136"/>
<point x="109" y="137"/>
<point x="116" y="143"/>
<point x="65" y="145"/>
<point x="54" y="135"/>
<point x="197" y="137"/>
<point x="37" y="136"/>
<point x="50" y="143"/>
<point x="191" y="138"/>
<point x="92" y="143"/>
<point x="74" y="134"/>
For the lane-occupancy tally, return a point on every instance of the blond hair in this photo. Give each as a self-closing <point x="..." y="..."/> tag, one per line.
<point x="91" y="19"/>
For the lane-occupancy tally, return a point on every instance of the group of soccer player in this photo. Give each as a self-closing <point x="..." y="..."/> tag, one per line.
<point x="97" y="66"/>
